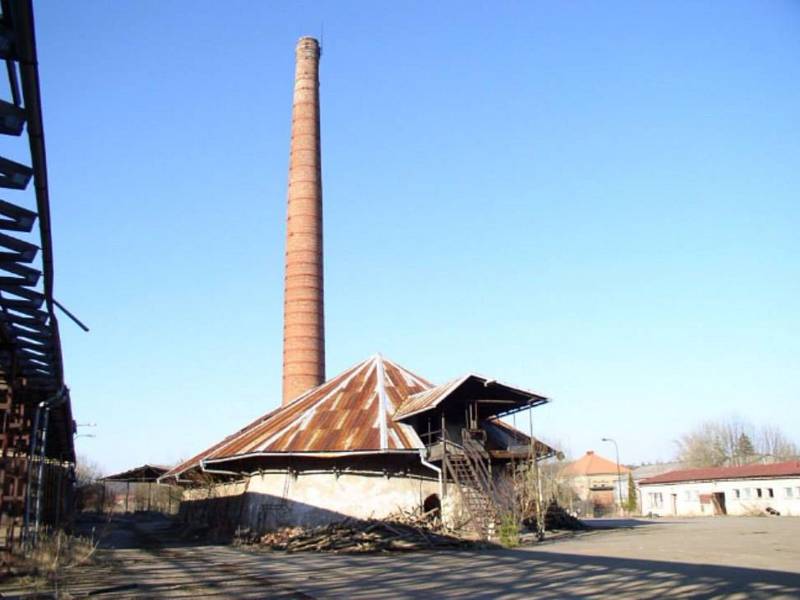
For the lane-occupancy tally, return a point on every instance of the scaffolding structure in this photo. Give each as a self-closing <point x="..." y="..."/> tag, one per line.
<point x="37" y="454"/>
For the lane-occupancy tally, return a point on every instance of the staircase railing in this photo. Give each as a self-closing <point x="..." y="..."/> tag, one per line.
<point x="466" y="465"/>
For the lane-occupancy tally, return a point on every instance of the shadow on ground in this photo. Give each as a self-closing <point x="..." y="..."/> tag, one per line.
<point x="621" y="523"/>
<point x="220" y="571"/>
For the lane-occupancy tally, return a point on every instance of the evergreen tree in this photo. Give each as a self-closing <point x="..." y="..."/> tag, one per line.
<point x="631" y="504"/>
<point x="744" y="449"/>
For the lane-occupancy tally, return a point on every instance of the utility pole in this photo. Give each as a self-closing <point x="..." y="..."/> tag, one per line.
<point x="619" y="472"/>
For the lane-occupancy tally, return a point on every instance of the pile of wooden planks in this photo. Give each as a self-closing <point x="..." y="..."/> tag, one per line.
<point x="402" y="532"/>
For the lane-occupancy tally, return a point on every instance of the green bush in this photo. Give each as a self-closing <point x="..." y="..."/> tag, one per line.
<point x="509" y="531"/>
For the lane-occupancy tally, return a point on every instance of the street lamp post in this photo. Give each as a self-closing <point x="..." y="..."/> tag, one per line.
<point x="619" y="472"/>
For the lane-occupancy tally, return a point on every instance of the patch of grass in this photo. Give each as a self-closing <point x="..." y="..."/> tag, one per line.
<point x="46" y="564"/>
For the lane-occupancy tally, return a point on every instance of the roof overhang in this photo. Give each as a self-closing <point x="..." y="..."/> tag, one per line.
<point x="143" y="473"/>
<point x="500" y="399"/>
<point x="331" y="454"/>
<point x="210" y="465"/>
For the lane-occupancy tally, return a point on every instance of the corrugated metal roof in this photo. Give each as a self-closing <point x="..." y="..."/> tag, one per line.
<point x="782" y="469"/>
<point x="431" y="398"/>
<point x="142" y="473"/>
<point x="350" y="413"/>
<point x="358" y="411"/>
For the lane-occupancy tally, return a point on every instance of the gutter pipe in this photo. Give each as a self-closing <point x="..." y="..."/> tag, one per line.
<point x="433" y="467"/>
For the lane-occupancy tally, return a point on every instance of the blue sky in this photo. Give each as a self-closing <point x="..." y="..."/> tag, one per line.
<point x="596" y="200"/>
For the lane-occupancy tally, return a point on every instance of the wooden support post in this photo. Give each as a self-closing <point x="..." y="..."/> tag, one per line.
<point x="127" y="494"/>
<point x="444" y="455"/>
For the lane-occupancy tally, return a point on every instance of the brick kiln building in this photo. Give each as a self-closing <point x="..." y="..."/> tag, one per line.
<point x="372" y="440"/>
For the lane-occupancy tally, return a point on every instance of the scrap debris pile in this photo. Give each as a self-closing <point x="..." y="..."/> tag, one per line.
<point x="555" y="517"/>
<point x="402" y="532"/>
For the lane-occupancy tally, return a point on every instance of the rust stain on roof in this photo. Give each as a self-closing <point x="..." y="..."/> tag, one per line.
<point x="341" y="415"/>
<point x="359" y="410"/>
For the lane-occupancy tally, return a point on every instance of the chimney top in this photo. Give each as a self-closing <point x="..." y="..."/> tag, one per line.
<point x="308" y="44"/>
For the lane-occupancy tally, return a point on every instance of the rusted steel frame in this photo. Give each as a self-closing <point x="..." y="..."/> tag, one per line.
<point x="11" y="502"/>
<point x="29" y="75"/>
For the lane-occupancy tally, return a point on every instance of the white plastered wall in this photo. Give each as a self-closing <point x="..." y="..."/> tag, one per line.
<point x="741" y="497"/>
<point x="281" y="499"/>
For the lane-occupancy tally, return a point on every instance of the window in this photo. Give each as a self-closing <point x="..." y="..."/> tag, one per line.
<point x="687" y="495"/>
<point x="696" y="496"/>
<point x="787" y="492"/>
<point x="770" y="492"/>
<point x="759" y="491"/>
<point x="746" y="492"/>
<point x="737" y="494"/>
<point x="656" y="499"/>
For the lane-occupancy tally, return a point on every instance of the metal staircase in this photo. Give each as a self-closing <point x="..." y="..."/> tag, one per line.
<point x="467" y="465"/>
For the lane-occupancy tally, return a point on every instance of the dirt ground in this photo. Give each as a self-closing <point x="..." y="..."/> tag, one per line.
<point x="713" y="557"/>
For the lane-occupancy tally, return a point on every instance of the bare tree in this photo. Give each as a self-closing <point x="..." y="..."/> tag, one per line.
<point x="733" y="442"/>
<point x="86" y="471"/>
<point x="771" y="442"/>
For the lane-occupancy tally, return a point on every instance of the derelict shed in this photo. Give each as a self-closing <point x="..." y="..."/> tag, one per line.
<point x="138" y="489"/>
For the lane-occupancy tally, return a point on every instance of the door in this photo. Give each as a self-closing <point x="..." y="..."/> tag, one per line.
<point x="719" y="503"/>
<point x="675" y="504"/>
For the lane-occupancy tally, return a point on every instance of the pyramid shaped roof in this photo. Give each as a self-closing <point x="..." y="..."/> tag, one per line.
<point x="593" y="464"/>
<point x="350" y="413"/>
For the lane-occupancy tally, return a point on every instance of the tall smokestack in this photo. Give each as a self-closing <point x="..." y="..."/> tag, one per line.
<point x="303" y="310"/>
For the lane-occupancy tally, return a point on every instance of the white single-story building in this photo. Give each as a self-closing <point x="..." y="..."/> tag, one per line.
<point x="744" y="490"/>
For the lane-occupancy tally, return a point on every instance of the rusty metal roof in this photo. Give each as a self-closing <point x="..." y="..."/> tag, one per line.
<point x="350" y="413"/>
<point x="358" y="411"/>
<point x="431" y="398"/>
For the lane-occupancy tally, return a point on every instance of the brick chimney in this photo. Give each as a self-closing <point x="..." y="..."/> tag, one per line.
<point x="303" y="310"/>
